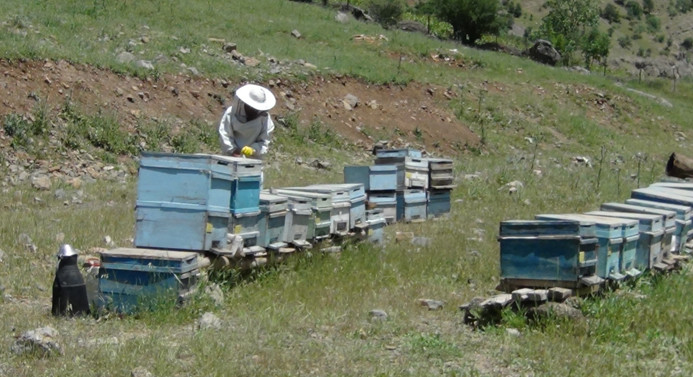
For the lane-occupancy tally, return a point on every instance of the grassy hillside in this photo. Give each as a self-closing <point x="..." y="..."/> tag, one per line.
<point x="310" y="316"/>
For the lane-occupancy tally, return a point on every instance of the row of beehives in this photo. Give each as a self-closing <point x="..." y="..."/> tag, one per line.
<point x="583" y="250"/>
<point x="193" y="210"/>
<point x="215" y="203"/>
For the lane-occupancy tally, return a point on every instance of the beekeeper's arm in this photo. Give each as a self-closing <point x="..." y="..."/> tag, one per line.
<point x="227" y="143"/>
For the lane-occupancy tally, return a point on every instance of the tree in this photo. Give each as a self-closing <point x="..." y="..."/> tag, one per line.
<point x="567" y="23"/>
<point x="595" y="46"/>
<point x="470" y="19"/>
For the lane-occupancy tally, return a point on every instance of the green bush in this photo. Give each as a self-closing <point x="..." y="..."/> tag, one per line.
<point x="634" y="10"/>
<point x="624" y="42"/>
<point x="21" y="129"/>
<point x="611" y="14"/>
<point x="386" y="12"/>
<point x="647" y="6"/>
<point x="653" y="23"/>
<point x="684" y="6"/>
<point x="17" y="128"/>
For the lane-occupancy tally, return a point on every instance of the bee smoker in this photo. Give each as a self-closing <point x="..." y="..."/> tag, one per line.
<point x="69" y="289"/>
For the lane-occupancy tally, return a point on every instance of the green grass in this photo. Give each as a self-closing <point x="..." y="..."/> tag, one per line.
<point x="311" y="314"/>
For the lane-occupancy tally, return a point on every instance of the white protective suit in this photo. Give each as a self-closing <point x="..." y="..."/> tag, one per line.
<point x="235" y="132"/>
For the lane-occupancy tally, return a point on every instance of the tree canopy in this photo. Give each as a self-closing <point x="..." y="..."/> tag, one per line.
<point x="470" y="19"/>
<point x="568" y="23"/>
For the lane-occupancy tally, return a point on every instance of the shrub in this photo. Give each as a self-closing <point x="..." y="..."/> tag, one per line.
<point x="653" y="23"/>
<point x="634" y="10"/>
<point x="647" y="6"/>
<point x="687" y="43"/>
<point x="611" y="14"/>
<point x="514" y="8"/>
<point x="624" y="42"/>
<point x="386" y="12"/>
<point x="21" y="129"/>
<point x="684" y="6"/>
<point x="17" y="128"/>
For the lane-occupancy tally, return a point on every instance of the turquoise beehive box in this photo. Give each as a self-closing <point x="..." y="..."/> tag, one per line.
<point x="548" y="253"/>
<point x="612" y="235"/>
<point x="651" y="228"/>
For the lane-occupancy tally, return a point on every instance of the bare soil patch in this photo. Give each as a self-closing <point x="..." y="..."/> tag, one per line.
<point x="415" y="114"/>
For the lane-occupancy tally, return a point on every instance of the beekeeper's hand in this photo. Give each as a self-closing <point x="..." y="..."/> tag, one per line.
<point x="247" y="151"/>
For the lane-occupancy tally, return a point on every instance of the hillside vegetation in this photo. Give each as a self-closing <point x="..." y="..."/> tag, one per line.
<point x="86" y="86"/>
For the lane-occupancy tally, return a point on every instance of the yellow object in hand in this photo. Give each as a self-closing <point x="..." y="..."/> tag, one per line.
<point x="247" y="151"/>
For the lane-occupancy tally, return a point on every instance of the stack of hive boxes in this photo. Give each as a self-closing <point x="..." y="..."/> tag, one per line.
<point x="396" y="184"/>
<point x="440" y="185"/>
<point x="404" y="185"/>
<point x="412" y="181"/>
<point x="380" y="185"/>
<point x="186" y="204"/>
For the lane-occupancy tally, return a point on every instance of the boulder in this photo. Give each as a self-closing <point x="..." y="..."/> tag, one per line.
<point x="543" y="52"/>
<point x="554" y="310"/>
<point x="413" y="26"/>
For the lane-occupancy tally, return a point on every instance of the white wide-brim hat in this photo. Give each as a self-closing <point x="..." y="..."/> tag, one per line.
<point x="257" y="97"/>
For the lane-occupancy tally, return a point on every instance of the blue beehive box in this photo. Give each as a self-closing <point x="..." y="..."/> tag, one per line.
<point x="611" y="234"/>
<point x="373" y="178"/>
<point x="548" y="253"/>
<point x="398" y="158"/>
<point x="245" y="194"/>
<point x="411" y="205"/>
<point x="398" y="153"/>
<point x="209" y="180"/>
<point x="649" y="250"/>
<point x="663" y="195"/>
<point x="385" y="201"/>
<point x="134" y="279"/>
<point x="172" y="225"/>
<point x="203" y="180"/>
<point x="683" y="219"/>
<point x="438" y="203"/>
<point x="669" y="217"/>
<point x="687" y="186"/>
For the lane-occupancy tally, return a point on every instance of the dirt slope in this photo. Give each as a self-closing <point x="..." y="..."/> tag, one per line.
<point x="391" y="112"/>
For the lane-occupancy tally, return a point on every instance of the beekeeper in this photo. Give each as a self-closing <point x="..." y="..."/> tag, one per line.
<point x="246" y="125"/>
